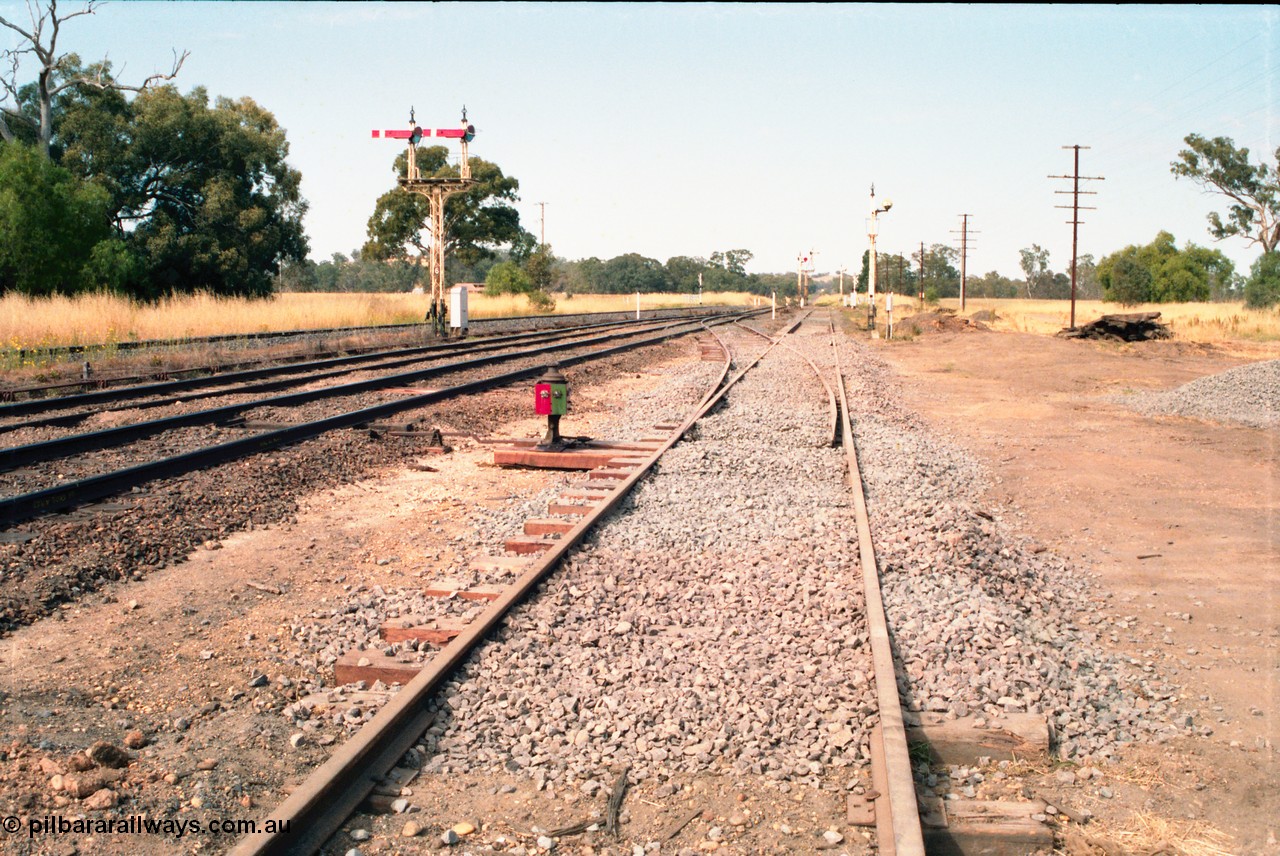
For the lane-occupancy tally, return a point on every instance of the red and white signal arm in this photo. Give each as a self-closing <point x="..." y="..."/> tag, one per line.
<point x="405" y="134"/>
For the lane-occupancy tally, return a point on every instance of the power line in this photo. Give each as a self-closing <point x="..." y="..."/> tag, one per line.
<point x="1216" y="99"/>
<point x="1124" y="126"/>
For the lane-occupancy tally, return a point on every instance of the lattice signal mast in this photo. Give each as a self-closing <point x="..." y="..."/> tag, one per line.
<point x="436" y="190"/>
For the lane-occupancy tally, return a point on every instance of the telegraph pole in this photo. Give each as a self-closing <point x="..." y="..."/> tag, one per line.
<point x="964" y="254"/>
<point x="1075" y="221"/>
<point x="542" y="223"/>
<point x="922" y="275"/>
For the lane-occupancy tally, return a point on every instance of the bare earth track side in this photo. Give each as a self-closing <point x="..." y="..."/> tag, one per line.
<point x="1173" y="518"/>
<point x="707" y="641"/>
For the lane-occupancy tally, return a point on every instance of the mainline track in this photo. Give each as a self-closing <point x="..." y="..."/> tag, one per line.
<point x="317" y="809"/>
<point x="239" y="338"/>
<point x="311" y="369"/>
<point x="21" y="507"/>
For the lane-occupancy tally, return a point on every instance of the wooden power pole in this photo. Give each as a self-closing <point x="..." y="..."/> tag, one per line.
<point x="1075" y="221"/>
<point x="964" y="254"/>
<point x="921" y="276"/>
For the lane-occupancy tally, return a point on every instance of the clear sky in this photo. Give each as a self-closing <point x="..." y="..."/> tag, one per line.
<point x="682" y="129"/>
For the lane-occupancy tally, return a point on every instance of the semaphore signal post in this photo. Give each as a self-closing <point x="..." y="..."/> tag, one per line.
<point x="436" y="189"/>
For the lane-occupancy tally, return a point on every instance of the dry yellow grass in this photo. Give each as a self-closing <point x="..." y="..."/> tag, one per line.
<point x="1192" y="322"/>
<point x="1150" y="836"/>
<point x="107" y="319"/>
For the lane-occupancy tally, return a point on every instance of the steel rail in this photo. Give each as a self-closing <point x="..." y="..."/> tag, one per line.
<point x="328" y="368"/>
<point x="833" y="410"/>
<point x="321" y="804"/>
<point x="147" y="344"/>
<point x="62" y="447"/>
<point x="25" y="506"/>
<point x="47" y="392"/>
<point x="897" y="812"/>
<point x="125" y="393"/>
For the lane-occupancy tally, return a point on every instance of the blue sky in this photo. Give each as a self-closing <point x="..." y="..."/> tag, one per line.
<point x="682" y="129"/>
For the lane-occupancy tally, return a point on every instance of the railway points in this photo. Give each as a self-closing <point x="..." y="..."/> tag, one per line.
<point x="676" y="648"/>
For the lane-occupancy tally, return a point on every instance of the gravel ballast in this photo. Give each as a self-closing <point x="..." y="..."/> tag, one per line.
<point x="719" y="624"/>
<point x="1248" y="394"/>
<point x="984" y="621"/>
<point x="714" y="623"/>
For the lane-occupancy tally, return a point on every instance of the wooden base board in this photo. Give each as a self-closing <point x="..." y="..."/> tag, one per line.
<point x="421" y="628"/>
<point x="526" y="545"/>
<point x="455" y="588"/>
<point x="377" y="667"/>
<point x="960" y="741"/>
<point x="583" y="460"/>
<point x="569" y="509"/>
<point x="501" y="564"/>
<point x="547" y="526"/>
<point x="988" y="828"/>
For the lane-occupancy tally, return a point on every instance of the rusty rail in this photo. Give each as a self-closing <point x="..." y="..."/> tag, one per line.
<point x="319" y="807"/>
<point x="897" y="813"/>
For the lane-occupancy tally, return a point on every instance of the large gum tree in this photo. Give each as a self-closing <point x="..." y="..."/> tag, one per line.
<point x="27" y="109"/>
<point x="1219" y="166"/>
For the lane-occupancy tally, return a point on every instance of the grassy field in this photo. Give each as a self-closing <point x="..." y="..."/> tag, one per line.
<point x="105" y="319"/>
<point x="1190" y="322"/>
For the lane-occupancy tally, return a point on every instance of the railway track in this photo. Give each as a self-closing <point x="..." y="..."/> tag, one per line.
<point x="201" y="434"/>
<point x="313" y="342"/>
<point x="316" y="810"/>
<point x="706" y="667"/>
<point x="225" y="381"/>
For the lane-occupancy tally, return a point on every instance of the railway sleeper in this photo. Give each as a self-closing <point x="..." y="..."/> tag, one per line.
<point x="990" y="827"/>
<point x="372" y="666"/>
<point x="457" y="588"/>
<point x="568" y="509"/>
<point x="610" y="473"/>
<point x="500" y="564"/>
<point x="547" y="526"/>
<point x="592" y="495"/>
<point x="524" y="545"/>
<point x="420" y="628"/>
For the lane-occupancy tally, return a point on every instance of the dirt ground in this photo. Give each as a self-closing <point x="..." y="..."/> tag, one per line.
<point x="1178" y="519"/>
<point x="175" y="656"/>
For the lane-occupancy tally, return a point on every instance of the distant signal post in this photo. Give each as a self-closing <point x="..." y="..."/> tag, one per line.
<point x="436" y="190"/>
<point x="804" y="273"/>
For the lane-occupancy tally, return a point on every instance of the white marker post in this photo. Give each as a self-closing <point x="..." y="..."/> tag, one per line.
<point x="637" y="306"/>
<point x="458" y="309"/>
<point x="773" y="302"/>
<point x="888" y="311"/>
